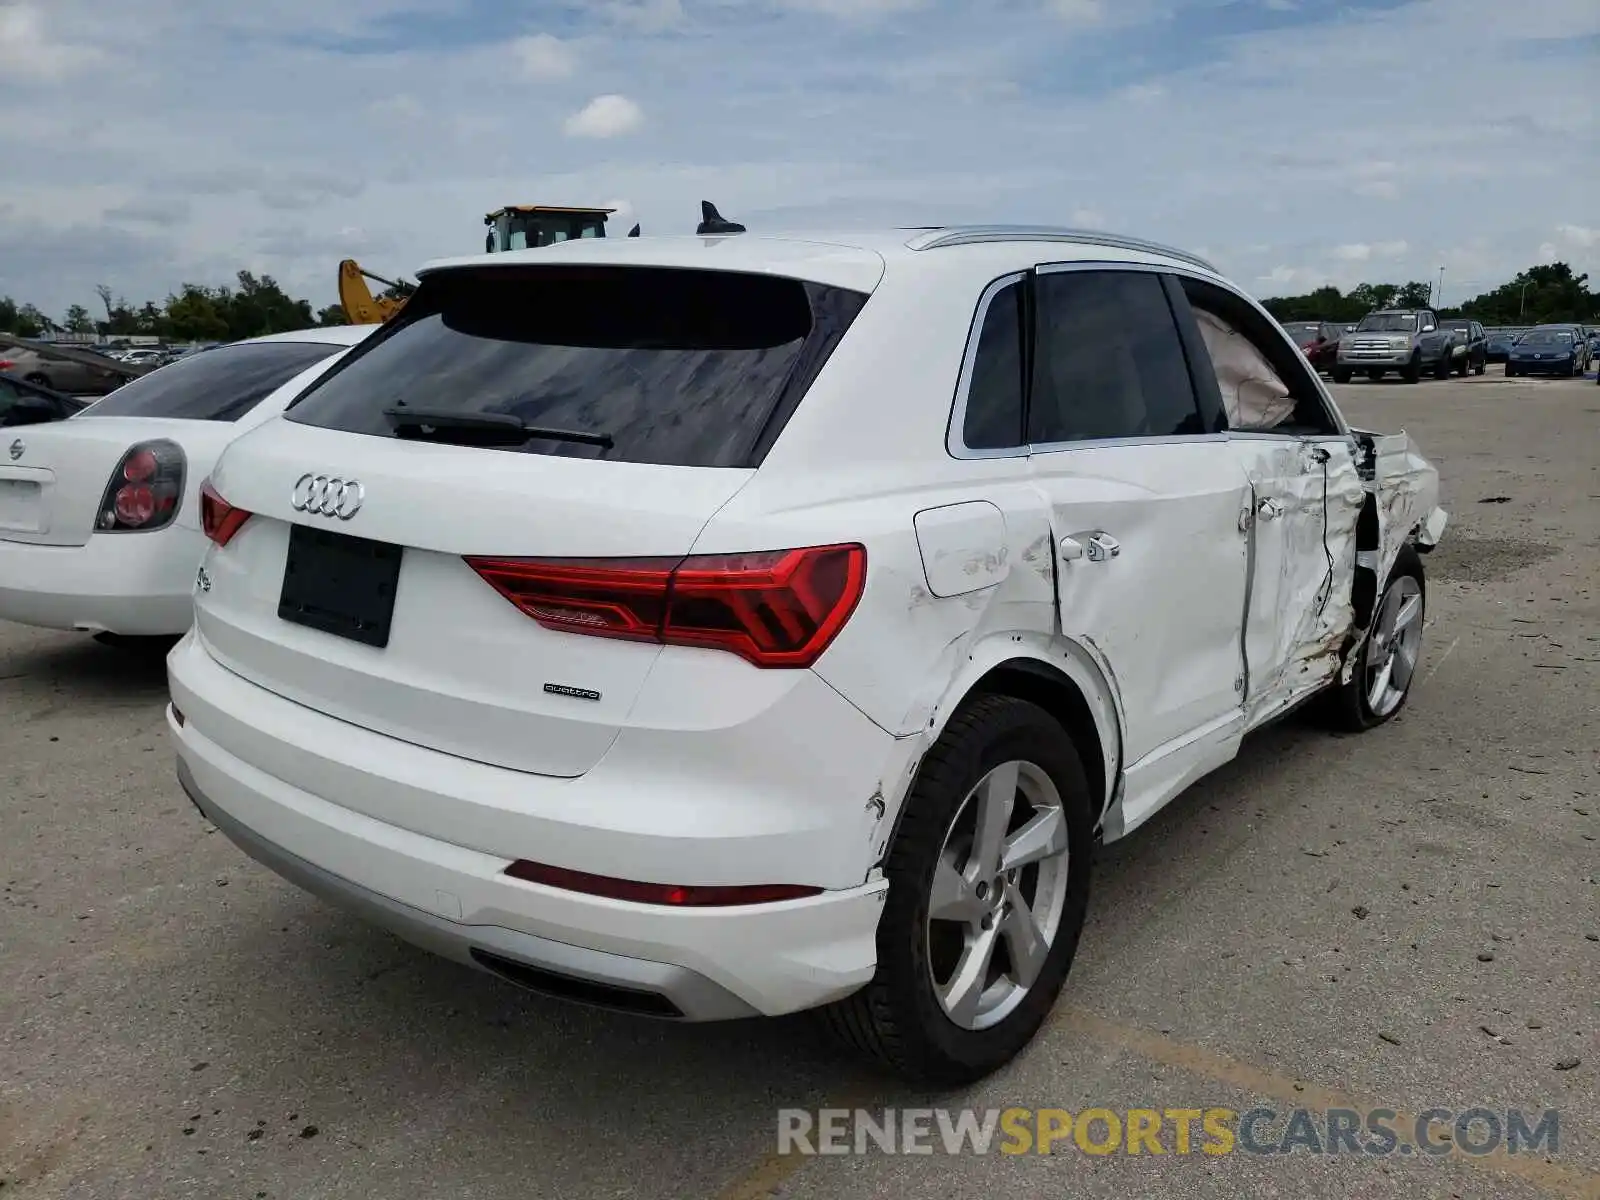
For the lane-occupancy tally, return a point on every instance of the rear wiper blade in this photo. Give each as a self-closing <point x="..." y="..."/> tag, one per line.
<point x="506" y="428"/>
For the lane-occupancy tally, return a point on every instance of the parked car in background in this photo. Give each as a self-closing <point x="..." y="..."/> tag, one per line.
<point x="617" y="648"/>
<point x="1318" y="341"/>
<point x="25" y="403"/>
<point x="60" y="374"/>
<point x="1501" y="340"/>
<point x="100" y="526"/>
<point x="1471" y="349"/>
<point x="1549" y="350"/>
<point x="1409" y="341"/>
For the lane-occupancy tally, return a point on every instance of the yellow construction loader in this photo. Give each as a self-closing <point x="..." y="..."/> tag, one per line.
<point x="514" y="227"/>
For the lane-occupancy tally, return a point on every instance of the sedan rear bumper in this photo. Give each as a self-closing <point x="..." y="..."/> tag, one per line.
<point x="134" y="584"/>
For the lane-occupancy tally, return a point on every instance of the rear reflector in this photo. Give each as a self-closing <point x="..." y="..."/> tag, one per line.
<point x="218" y="518"/>
<point x="778" y="608"/>
<point x="670" y="894"/>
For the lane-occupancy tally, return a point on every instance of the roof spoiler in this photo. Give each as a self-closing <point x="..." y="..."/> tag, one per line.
<point x="713" y="223"/>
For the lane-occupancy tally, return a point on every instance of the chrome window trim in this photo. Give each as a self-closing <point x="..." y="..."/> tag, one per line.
<point x="955" y="432"/>
<point x="957" y="448"/>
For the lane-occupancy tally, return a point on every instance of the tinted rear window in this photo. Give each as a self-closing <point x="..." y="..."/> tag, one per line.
<point x="676" y="367"/>
<point x="219" y="385"/>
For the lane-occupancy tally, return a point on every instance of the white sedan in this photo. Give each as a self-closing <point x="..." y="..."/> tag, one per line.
<point x="100" y="513"/>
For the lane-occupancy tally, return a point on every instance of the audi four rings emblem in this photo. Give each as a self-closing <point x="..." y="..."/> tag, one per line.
<point x="323" y="496"/>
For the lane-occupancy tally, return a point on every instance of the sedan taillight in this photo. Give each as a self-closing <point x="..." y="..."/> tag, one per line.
<point x="778" y="608"/>
<point x="145" y="491"/>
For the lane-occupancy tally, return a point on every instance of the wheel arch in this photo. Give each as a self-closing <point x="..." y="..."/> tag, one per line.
<point x="1068" y="680"/>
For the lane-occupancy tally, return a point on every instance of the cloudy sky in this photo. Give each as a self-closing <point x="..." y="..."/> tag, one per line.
<point x="149" y="142"/>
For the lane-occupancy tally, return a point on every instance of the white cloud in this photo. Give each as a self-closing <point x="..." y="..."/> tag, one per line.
<point x="644" y="16"/>
<point x="1547" y="251"/>
<point x="1378" y="189"/>
<point x="542" y="56"/>
<point x="1579" y="235"/>
<point x="1078" y="12"/>
<point x="1143" y="93"/>
<point x="605" y="117"/>
<point x="856" y="9"/>
<point x="28" y="50"/>
<point x="1354" y="252"/>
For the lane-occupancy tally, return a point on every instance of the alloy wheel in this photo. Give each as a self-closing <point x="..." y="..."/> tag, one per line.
<point x="1393" y="648"/>
<point x="998" y="894"/>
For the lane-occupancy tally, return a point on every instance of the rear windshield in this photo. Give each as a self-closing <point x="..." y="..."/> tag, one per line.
<point x="1304" y="331"/>
<point x="673" y="367"/>
<point x="219" y="385"/>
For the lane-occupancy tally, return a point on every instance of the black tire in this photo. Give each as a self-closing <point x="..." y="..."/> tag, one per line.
<point x="1441" y="369"/>
<point x="1347" y="705"/>
<point x="897" y="1018"/>
<point x="1466" y="364"/>
<point x="40" y="378"/>
<point x="1511" y="372"/>
<point x="1481" y="367"/>
<point x="1341" y="374"/>
<point x="1412" y="371"/>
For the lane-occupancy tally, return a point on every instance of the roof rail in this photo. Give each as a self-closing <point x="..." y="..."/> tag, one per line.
<point x="967" y="235"/>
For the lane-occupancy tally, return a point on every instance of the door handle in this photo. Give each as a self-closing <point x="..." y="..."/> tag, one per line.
<point x="1071" y="549"/>
<point x="1103" y="546"/>
<point x="1270" y="509"/>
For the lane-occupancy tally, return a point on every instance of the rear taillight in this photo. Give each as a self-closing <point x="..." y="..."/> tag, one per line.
<point x="777" y="608"/>
<point x="7" y="363"/>
<point x="145" y="490"/>
<point x="218" y="518"/>
<point x="675" y="895"/>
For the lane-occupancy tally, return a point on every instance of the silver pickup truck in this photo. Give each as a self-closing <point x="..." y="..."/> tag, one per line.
<point x="1407" y="340"/>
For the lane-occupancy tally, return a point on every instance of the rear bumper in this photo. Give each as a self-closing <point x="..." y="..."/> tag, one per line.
<point x="694" y="964"/>
<point x="136" y="584"/>
<point x="1525" y="366"/>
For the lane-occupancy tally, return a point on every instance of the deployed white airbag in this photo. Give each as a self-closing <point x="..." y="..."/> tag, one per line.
<point x="1253" y="395"/>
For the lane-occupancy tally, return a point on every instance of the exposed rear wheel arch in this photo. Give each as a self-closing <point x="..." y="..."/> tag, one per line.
<point x="1052" y="690"/>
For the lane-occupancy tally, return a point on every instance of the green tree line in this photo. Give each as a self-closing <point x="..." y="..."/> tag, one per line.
<point x="1540" y="295"/>
<point x="256" y="305"/>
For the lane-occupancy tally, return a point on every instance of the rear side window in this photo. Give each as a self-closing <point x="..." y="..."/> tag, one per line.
<point x="1108" y="360"/>
<point x="219" y="385"/>
<point x="652" y="365"/>
<point x="993" y="418"/>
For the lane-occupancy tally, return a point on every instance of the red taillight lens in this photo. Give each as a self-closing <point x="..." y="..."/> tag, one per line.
<point x="672" y="894"/>
<point x="145" y="491"/>
<point x="778" y="608"/>
<point x="7" y="363"/>
<point x="218" y="518"/>
<point x="139" y="466"/>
